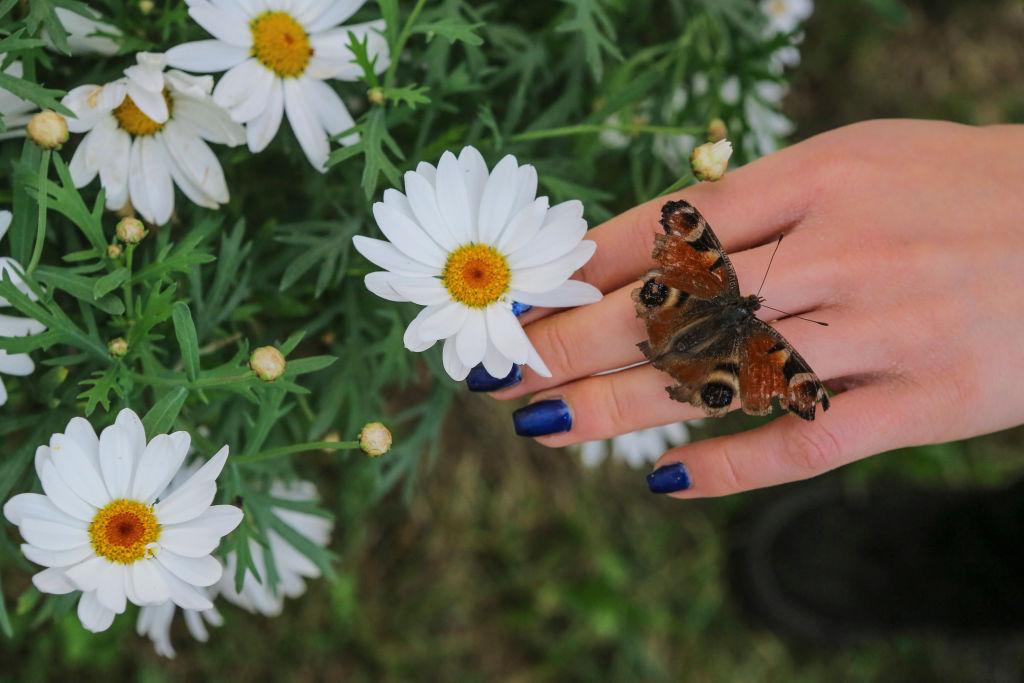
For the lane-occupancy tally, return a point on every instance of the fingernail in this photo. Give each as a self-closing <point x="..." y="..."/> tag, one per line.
<point x="543" y="418"/>
<point x="518" y="309"/>
<point x="669" y="479"/>
<point x="480" y="380"/>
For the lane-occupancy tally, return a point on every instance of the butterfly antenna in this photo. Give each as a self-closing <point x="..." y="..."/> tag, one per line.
<point x="766" y="270"/>
<point x="799" y="317"/>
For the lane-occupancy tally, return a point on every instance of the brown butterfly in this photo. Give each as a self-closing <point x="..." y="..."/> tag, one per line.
<point x="704" y="333"/>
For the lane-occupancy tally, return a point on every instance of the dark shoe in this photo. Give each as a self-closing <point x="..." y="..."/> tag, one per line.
<point x="819" y="562"/>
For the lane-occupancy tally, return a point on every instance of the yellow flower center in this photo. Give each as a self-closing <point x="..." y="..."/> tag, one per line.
<point x="778" y="7"/>
<point x="476" y="275"/>
<point x="123" y="530"/>
<point x="131" y="118"/>
<point x="280" y="43"/>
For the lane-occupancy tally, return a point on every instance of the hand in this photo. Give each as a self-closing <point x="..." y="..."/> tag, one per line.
<point x="907" y="237"/>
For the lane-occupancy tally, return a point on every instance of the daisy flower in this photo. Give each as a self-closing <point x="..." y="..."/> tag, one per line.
<point x="767" y="126"/>
<point x="155" y="623"/>
<point x="17" y="364"/>
<point x="784" y="16"/>
<point x="636" y="449"/>
<point x="146" y="133"/>
<point x="467" y="243"/>
<point x="278" y="55"/>
<point x="15" y="110"/>
<point x="292" y="567"/>
<point x="99" y="527"/>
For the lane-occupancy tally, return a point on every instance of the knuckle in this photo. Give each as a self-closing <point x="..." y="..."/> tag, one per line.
<point x="812" y="449"/>
<point x="615" y="406"/>
<point x="560" y="346"/>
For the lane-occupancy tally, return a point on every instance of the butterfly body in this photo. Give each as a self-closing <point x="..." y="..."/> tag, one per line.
<point x="707" y="335"/>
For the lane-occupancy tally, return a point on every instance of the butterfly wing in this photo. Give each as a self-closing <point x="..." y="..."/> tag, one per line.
<point x="691" y="257"/>
<point x="769" y="367"/>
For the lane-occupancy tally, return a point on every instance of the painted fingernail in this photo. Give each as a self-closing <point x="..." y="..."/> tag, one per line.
<point x="543" y="418"/>
<point x="669" y="479"/>
<point x="481" y="381"/>
<point x="518" y="309"/>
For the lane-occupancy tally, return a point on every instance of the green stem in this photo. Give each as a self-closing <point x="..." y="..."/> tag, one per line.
<point x="37" y="251"/>
<point x="591" y="128"/>
<point x="272" y="453"/>
<point x="685" y="181"/>
<point x="403" y="38"/>
<point x="129" y="301"/>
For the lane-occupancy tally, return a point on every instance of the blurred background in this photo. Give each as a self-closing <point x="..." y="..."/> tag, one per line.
<point x="516" y="563"/>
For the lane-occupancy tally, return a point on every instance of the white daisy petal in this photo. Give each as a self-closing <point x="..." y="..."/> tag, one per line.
<point x="333" y="14"/>
<point x="507" y="334"/>
<point x="245" y="90"/>
<point x="35" y="506"/>
<point x="61" y="494"/>
<point x="445" y="322"/>
<point x="114" y="168"/>
<point x="422" y="291"/>
<point x="224" y="23"/>
<point x="544" y="278"/>
<point x="57" y="558"/>
<point x="152" y="104"/>
<point x="332" y="112"/>
<point x="158" y="464"/>
<point x="384" y="255"/>
<point x="202" y="535"/>
<point x="452" y="365"/>
<point x="496" y="202"/>
<point x="197" y="571"/>
<point x="261" y="130"/>
<point x="412" y="339"/>
<point x="569" y="293"/>
<point x="186" y="502"/>
<point x="183" y="595"/>
<point x="88" y="575"/>
<point x="422" y="202"/>
<point x="471" y="340"/>
<point x="537" y="363"/>
<point x="78" y="470"/>
<point x="521" y="233"/>
<point x="148" y="583"/>
<point x="206" y="56"/>
<point x="305" y="124"/>
<point x="453" y="198"/>
<point x="407" y="236"/>
<point x="118" y="451"/>
<point x="110" y="592"/>
<point x="380" y="284"/>
<point x="557" y="240"/>
<point x="52" y="535"/>
<point x="18" y="364"/>
<point x="52" y="581"/>
<point x="94" y="617"/>
<point x="495" y="362"/>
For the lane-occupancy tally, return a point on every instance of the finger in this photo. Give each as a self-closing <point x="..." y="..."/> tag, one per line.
<point x="749" y="206"/>
<point x="608" y="405"/>
<point x="604" y="336"/>
<point x="862" y="422"/>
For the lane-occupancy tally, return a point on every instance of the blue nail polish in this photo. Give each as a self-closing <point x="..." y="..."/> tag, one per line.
<point x="669" y="479"/>
<point x="518" y="309"/>
<point x="481" y="381"/>
<point x="543" y="418"/>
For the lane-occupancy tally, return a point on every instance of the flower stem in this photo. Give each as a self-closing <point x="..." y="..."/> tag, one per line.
<point x="129" y="303"/>
<point x="37" y="250"/>
<point x="591" y="128"/>
<point x="272" y="453"/>
<point x="403" y="38"/>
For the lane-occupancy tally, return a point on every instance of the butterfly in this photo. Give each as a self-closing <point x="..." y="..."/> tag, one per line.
<point x="705" y="334"/>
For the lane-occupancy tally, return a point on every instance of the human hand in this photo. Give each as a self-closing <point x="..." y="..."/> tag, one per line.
<point x="906" y="237"/>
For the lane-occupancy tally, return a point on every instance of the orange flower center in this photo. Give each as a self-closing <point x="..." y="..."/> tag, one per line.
<point x="131" y="118"/>
<point x="123" y="531"/>
<point x="476" y="275"/>
<point x="280" y="43"/>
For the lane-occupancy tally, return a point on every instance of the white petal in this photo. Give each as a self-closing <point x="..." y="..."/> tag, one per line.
<point x="261" y="130"/>
<point x="552" y="241"/>
<point x="505" y="331"/>
<point x="407" y="236"/>
<point x="57" y="558"/>
<point x="495" y="362"/>
<point x="110" y="592"/>
<point x="35" y="506"/>
<point x="52" y="581"/>
<point x="537" y="363"/>
<point x="183" y="595"/>
<point x="18" y="364"/>
<point x="149" y="586"/>
<point x="545" y="278"/>
<point x="115" y="168"/>
<point x="422" y="202"/>
<point x="117" y="459"/>
<point x="194" y="167"/>
<point x="149" y="182"/>
<point x="88" y="575"/>
<point x="335" y="12"/>
<point x="332" y="112"/>
<point x="152" y="104"/>
<point x="94" y="617"/>
<point x="471" y="340"/>
<point x="202" y="535"/>
<point x="158" y="465"/>
<point x="380" y="284"/>
<point x="206" y="56"/>
<point x="11" y="326"/>
<point x="452" y="365"/>
<point x="52" y="535"/>
<point x="197" y="571"/>
<point x="448" y="320"/>
<point x="524" y="227"/>
<point x="305" y="123"/>
<point x="386" y="256"/>
<point x="453" y="198"/>
<point x="209" y="121"/>
<point x="82" y="171"/>
<point x="498" y="197"/>
<point x="425" y="291"/>
<point x="221" y="22"/>
<point x="61" y="494"/>
<point x="569" y="293"/>
<point x="78" y="470"/>
<point x="190" y="499"/>
<point x="245" y="90"/>
<point x="413" y="340"/>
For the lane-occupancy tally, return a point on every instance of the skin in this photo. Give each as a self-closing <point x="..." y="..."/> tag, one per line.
<point x="907" y="237"/>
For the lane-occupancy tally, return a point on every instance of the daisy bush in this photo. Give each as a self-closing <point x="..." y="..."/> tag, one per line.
<point x="244" y="244"/>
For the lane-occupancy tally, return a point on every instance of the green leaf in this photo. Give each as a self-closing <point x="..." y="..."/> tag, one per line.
<point x="304" y="366"/>
<point x="108" y="283"/>
<point x="188" y="340"/>
<point x="81" y="287"/>
<point x="5" y="620"/>
<point x="160" y="418"/>
<point x="452" y="28"/>
<point x="46" y="98"/>
<point x="101" y="385"/>
<point x="411" y="96"/>
<point x="591" y="23"/>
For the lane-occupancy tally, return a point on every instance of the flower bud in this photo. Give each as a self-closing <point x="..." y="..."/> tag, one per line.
<point x="48" y="129"/>
<point x="130" y="230"/>
<point x="376" y="96"/>
<point x="375" y="439"/>
<point x="710" y="160"/>
<point x="267" y="362"/>
<point x="114" y="251"/>
<point x="146" y="6"/>
<point x="331" y="437"/>
<point x="118" y="347"/>
<point x="717" y="130"/>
